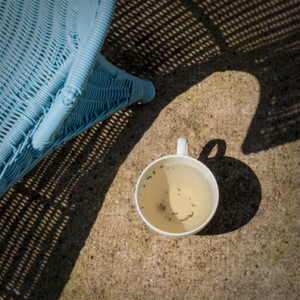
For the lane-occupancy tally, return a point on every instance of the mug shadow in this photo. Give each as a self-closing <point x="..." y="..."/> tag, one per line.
<point x="239" y="189"/>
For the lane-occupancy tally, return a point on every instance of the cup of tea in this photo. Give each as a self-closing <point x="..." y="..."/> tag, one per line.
<point x="177" y="195"/>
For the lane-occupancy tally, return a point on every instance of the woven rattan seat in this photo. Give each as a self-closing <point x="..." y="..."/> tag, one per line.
<point x="54" y="84"/>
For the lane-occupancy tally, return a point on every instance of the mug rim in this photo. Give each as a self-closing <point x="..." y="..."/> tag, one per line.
<point x="214" y="186"/>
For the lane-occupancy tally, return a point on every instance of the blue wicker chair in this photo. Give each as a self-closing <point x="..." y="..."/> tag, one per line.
<point x="54" y="84"/>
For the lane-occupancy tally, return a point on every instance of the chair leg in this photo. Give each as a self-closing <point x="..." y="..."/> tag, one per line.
<point x="111" y="90"/>
<point x="138" y="90"/>
<point x="142" y="90"/>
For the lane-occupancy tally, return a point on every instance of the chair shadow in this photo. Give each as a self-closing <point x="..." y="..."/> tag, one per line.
<point x="197" y="38"/>
<point x="46" y="218"/>
<point x="239" y="190"/>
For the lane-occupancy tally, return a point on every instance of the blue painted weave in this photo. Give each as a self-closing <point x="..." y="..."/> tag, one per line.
<point x="54" y="84"/>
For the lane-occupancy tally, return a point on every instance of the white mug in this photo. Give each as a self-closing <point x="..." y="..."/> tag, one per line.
<point x="177" y="195"/>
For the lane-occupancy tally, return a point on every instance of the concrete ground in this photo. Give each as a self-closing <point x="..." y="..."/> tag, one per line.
<point x="227" y="78"/>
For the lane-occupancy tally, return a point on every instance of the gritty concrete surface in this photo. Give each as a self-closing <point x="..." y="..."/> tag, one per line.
<point x="259" y="260"/>
<point x="227" y="79"/>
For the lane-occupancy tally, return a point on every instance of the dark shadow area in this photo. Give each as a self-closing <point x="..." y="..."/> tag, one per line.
<point x="186" y="41"/>
<point x="45" y="219"/>
<point x="239" y="188"/>
<point x="277" y="118"/>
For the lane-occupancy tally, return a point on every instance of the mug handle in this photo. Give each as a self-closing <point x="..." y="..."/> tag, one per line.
<point x="182" y="146"/>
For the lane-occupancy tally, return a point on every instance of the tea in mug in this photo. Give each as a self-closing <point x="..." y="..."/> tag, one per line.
<point x="176" y="197"/>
